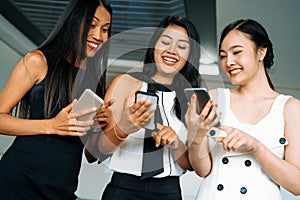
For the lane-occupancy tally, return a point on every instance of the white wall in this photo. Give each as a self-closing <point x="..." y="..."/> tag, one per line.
<point x="282" y="22"/>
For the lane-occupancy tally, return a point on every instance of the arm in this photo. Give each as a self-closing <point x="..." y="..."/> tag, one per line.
<point x="104" y="117"/>
<point x="198" y="127"/>
<point x="30" y="71"/>
<point x="285" y="173"/>
<point x="127" y="116"/>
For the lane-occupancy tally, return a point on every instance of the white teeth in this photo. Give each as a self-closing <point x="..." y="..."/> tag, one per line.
<point x="235" y="71"/>
<point x="170" y="60"/>
<point x="92" y="44"/>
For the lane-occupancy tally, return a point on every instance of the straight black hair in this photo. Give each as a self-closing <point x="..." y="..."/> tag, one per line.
<point x="188" y="76"/>
<point x="66" y="47"/>
<point x="258" y="35"/>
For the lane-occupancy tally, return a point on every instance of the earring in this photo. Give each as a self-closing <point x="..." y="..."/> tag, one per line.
<point x="261" y="59"/>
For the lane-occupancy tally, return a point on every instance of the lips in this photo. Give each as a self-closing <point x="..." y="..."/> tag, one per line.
<point x="169" y="60"/>
<point x="234" y="72"/>
<point x="92" y="45"/>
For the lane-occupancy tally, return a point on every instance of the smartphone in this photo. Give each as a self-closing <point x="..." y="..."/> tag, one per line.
<point x="202" y="99"/>
<point x="87" y="100"/>
<point x="153" y="98"/>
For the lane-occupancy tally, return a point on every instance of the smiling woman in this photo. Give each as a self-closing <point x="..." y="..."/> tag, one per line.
<point x="171" y="64"/>
<point x="261" y="125"/>
<point x="45" y="158"/>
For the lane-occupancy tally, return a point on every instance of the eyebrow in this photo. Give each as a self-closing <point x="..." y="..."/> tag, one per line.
<point x="107" y="24"/>
<point x="233" y="47"/>
<point x="172" y="38"/>
<point x="97" y="18"/>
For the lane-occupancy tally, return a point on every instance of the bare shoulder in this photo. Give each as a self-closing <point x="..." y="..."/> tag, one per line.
<point x="124" y="80"/>
<point x="36" y="64"/>
<point x="123" y="85"/>
<point x="35" y="59"/>
<point x="292" y="106"/>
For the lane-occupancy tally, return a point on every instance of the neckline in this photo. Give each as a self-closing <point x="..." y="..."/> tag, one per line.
<point x="258" y="122"/>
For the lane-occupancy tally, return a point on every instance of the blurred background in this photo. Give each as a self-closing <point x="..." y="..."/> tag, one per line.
<point x="24" y="24"/>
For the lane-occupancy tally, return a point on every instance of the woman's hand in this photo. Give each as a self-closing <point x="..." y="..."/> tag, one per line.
<point x="136" y="116"/>
<point x="65" y="123"/>
<point x="166" y="136"/>
<point x="237" y="140"/>
<point x="104" y="115"/>
<point x="199" y="125"/>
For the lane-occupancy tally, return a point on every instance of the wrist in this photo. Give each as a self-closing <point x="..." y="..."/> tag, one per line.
<point x="258" y="149"/>
<point x="197" y="140"/>
<point x="119" y="134"/>
<point x="49" y="126"/>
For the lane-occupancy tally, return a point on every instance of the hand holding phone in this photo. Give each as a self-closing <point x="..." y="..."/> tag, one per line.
<point x="87" y="100"/>
<point x="153" y="98"/>
<point x="202" y="99"/>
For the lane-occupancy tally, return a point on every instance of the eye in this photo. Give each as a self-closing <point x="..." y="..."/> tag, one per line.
<point x="165" y="42"/>
<point x="93" y="25"/>
<point x="236" y="52"/>
<point x="182" y="47"/>
<point x="222" y="56"/>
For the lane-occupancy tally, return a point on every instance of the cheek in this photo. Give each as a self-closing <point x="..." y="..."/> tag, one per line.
<point x="105" y="37"/>
<point x="157" y="53"/>
<point x="223" y="64"/>
<point x="184" y="54"/>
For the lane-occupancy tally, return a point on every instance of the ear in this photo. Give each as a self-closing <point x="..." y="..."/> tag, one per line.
<point x="262" y="53"/>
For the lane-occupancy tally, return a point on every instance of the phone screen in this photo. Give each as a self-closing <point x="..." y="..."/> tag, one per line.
<point x="202" y="99"/>
<point x="153" y="98"/>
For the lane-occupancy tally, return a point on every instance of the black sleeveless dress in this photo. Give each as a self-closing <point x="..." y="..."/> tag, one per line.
<point x="41" y="166"/>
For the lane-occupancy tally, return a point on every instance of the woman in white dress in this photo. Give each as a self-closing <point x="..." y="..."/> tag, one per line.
<point x="260" y="150"/>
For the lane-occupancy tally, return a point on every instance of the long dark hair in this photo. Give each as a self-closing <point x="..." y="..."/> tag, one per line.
<point x="188" y="76"/>
<point x="66" y="47"/>
<point x="258" y="35"/>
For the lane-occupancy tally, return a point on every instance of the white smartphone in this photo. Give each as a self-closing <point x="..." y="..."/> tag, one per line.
<point x="202" y="99"/>
<point x="87" y="100"/>
<point x="153" y="98"/>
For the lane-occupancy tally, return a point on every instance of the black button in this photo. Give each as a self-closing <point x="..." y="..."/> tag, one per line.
<point x="220" y="187"/>
<point x="248" y="163"/>
<point x="243" y="190"/>
<point x="212" y="132"/>
<point x="225" y="160"/>
<point x="282" y="140"/>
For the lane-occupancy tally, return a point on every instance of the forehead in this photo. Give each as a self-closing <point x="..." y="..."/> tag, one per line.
<point x="235" y="38"/>
<point x="102" y="15"/>
<point x="176" y="32"/>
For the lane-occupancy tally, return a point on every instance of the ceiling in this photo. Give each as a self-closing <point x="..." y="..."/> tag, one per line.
<point x="34" y="19"/>
<point x="39" y="17"/>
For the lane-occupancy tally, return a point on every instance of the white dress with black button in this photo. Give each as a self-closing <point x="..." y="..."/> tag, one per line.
<point x="238" y="176"/>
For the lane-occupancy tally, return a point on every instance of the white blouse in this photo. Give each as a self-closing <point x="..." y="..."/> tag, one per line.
<point x="129" y="155"/>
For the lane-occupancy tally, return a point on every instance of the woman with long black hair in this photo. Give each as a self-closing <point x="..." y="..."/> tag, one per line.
<point x="45" y="158"/>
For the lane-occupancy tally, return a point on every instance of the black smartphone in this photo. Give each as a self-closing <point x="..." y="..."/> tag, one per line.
<point x="153" y="98"/>
<point x="202" y="99"/>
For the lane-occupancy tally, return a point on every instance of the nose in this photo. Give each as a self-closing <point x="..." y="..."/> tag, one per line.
<point x="99" y="36"/>
<point x="230" y="60"/>
<point x="172" y="49"/>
